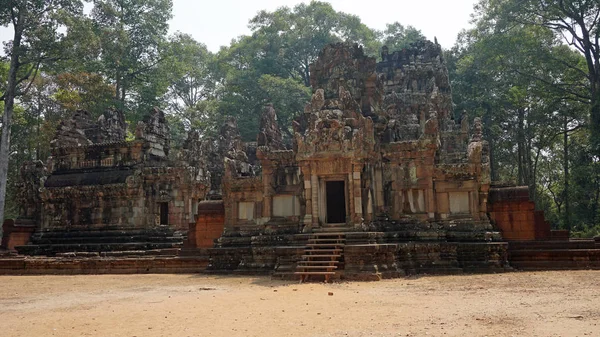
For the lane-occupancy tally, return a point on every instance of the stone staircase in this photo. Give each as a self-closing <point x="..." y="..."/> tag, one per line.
<point x="554" y="255"/>
<point x="333" y="228"/>
<point x="52" y="243"/>
<point x="323" y="256"/>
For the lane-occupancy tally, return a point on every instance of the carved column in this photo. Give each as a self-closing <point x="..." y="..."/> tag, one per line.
<point x="268" y="178"/>
<point x="314" y="181"/>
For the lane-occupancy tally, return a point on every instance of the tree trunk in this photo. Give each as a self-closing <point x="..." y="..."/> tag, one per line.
<point x="487" y="123"/>
<point x="529" y="166"/>
<point x="534" y="196"/>
<point x="37" y="133"/>
<point x="306" y="75"/>
<point x="117" y="88"/>
<point x="595" y="118"/>
<point x="521" y="146"/>
<point x="123" y="96"/>
<point x="566" y="169"/>
<point x="9" y="101"/>
<point x="595" y="205"/>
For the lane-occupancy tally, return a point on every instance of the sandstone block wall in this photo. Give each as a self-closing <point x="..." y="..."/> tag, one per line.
<point x="15" y="234"/>
<point x="208" y="226"/>
<point x="515" y="216"/>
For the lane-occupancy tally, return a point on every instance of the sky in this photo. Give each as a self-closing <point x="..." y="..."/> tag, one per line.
<point x="216" y="22"/>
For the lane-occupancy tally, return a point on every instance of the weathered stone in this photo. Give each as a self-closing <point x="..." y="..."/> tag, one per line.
<point x="270" y="135"/>
<point x="97" y="187"/>
<point x="112" y="127"/>
<point x="375" y="149"/>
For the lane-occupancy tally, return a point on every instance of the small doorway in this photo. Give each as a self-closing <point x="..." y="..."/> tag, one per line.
<point x="336" y="201"/>
<point x="164" y="213"/>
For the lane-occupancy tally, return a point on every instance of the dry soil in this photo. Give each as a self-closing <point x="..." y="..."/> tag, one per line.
<point x="511" y="304"/>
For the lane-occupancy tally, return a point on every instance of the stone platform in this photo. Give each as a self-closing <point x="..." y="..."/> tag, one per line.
<point x="555" y="255"/>
<point x="370" y="260"/>
<point x="363" y="255"/>
<point x="56" y="242"/>
<point x="133" y="262"/>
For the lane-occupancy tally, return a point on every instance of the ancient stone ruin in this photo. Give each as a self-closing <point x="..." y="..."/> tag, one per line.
<point x="98" y="192"/>
<point x="380" y="176"/>
<point x="379" y="181"/>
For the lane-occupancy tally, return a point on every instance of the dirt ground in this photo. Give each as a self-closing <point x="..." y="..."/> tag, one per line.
<point x="511" y="304"/>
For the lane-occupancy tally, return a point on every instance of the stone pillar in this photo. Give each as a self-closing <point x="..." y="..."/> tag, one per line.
<point x="314" y="181"/>
<point x="378" y="182"/>
<point x="267" y="204"/>
<point x="356" y="196"/>
<point x="474" y="199"/>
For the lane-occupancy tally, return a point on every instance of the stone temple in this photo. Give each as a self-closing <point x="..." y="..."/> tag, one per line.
<point x="380" y="180"/>
<point x="99" y="192"/>
<point x="379" y="172"/>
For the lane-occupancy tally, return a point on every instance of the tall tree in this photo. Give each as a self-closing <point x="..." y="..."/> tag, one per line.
<point x="36" y="41"/>
<point x="576" y="21"/>
<point x="131" y="34"/>
<point x="278" y="54"/>
<point x="397" y="37"/>
<point x="528" y="87"/>
<point x="188" y="70"/>
<point x="299" y="34"/>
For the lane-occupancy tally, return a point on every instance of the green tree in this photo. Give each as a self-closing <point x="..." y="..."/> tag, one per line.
<point x="527" y="86"/>
<point x="576" y="22"/>
<point x="293" y="38"/>
<point x="189" y="71"/>
<point x="273" y="64"/>
<point x="82" y="90"/>
<point x="397" y="37"/>
<point x="131" y="36"/>
<point x="36" y="41"/>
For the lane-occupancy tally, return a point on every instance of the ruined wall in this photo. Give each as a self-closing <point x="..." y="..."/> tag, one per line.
<point x="97" y="180"/>
<point x="416" y="89"/>
<point x="209" y="225"/>
<point x="515" y="216"/>
<point x="432" y="168"/>
<point x="383" y="130"/>
<point x="262" y="186"/>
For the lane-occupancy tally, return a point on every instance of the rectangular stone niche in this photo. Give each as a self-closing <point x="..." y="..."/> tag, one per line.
<point x="286" y="205"/>
<point x="459" y="202"/>
<point x="246" y="210"/>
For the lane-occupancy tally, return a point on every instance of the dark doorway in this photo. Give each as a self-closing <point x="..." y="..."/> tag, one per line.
<point x="164" y="213"/>
<point x="336" y="202"/>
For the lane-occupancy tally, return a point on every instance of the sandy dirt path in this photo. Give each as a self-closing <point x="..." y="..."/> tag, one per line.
<point x="512" y="304"/>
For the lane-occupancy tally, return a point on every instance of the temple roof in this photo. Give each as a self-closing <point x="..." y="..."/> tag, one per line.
<point x="89" y="177"/>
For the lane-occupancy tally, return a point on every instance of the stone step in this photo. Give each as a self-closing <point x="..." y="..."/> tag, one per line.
<point x="105" y="232"/>
<point x="328" y="234"/>
<point x="327" y="240"/>
<point x="322" y="256"/>
<point x="313" y="262"/>
<point x="332" y="230"/>
<point x="336" y="225"/>
<point x="555" y="255"/>
<point x="316" y="267"/>
<point x="319" y="251"/>
<point x="53" y="249"/>
<point x="555" y="265"/>
<point x="544" y="245"/>
<point x="315" y="273"/>
<point x="105" y="239"/>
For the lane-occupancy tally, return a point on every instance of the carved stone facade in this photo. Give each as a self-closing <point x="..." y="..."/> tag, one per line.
<point x="380" y="181"/>
<point x="377" y="163"/>
<point x="96" y="182"/>
<point x="377" y="139"/>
